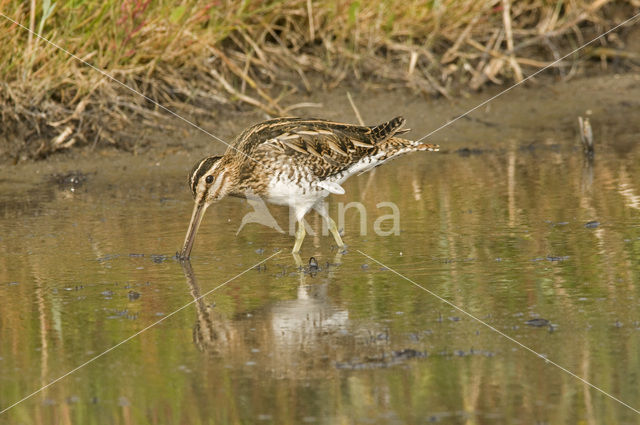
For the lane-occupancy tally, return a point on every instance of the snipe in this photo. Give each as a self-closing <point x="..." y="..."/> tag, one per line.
<point x="295" y="162"/>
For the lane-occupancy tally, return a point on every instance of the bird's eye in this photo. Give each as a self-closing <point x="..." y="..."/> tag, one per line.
<point x="209" y="179"/>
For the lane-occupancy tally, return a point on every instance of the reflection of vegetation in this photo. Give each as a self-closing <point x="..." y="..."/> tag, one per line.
<point x="198" y="51"/>
<point x="500" y="234"/>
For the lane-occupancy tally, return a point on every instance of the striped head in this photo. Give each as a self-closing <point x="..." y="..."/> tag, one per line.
<point x="204" y="178"/>
<point x="209" y="181"/>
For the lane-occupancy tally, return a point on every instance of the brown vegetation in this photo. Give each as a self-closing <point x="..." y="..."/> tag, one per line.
<point x="197" y="55"/>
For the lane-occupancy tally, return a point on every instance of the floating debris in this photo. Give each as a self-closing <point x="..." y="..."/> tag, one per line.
<point x="469" y="151"/>
<point x="592" y="224"/>
<point x="537" y="322"/>
<point x="133" y="295"/>
<point x="108" y="257"/>
<point x="562" y="258"/>
<point x="158" y="258"/>
<point x="313" y="264"/>
<point x="408" y="353"/>
<point x="399" y="357"/>
<point x="383" y="361"/>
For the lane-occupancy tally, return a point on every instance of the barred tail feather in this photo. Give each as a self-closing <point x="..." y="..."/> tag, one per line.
<point x="386" y="130"/>
<point x="397" y="145"/>
<point x="389" y="150"/>
<point x="425" y="147"/>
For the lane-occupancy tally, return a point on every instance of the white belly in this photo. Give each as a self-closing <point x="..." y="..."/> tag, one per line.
<point x="301" y="191"/>
<point x="301" y="196"/>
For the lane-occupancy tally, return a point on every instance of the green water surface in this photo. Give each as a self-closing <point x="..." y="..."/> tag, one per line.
<point x="501" y="233"/>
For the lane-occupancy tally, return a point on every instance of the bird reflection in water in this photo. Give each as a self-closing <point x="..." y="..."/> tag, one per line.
<point x="288" y="336"/>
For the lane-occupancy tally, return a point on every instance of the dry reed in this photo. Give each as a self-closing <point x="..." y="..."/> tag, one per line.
<point x="195" y="56"/>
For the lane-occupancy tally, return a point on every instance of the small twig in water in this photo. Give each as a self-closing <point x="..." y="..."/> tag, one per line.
<point x="586" y="135"/>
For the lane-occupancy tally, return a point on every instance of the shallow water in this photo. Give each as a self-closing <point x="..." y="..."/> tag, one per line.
<point x="523" y="229"/>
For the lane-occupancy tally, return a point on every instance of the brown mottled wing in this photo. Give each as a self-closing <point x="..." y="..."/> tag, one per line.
<point x="324" y="147"/>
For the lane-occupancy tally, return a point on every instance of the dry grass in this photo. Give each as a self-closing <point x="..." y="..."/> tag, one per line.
<point x="203" y="54"/>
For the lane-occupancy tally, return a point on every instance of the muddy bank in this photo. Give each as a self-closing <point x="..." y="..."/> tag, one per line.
<point x="544" y="107"/>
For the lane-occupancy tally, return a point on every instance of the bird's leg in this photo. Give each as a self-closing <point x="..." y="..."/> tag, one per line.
<point x="300" y="233"/>
<point x="334" y="231"/>
<point x="298" y="260"/>
<point x="321" y="208"/>
<point x="337" y="259"/>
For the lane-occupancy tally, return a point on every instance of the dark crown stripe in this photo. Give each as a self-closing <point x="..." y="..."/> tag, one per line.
<point x="201" y="169"/>
<point x="192" y="175"/>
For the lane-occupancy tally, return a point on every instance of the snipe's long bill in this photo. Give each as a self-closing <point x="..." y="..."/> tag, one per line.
<point x="295" y="162"/>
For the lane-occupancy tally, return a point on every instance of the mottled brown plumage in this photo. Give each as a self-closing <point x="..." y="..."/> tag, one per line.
<point x="295" y="162"/>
